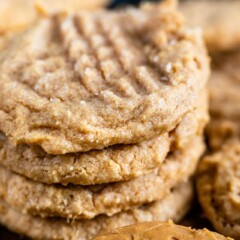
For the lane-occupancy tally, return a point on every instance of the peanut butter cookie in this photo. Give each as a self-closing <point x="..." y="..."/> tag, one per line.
<point x="218" y="185"/>
<point x="112" y="164"/>
<point x="89" y="201"/>
<point x="174" y="206"/>
<point x="219" y="20"/>
<point x="16" y="15"/>
<point x="219" y="131"/>
<point x="94" y="79"/>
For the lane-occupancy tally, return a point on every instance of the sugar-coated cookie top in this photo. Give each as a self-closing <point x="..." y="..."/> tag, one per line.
<point x="93" y="79"/>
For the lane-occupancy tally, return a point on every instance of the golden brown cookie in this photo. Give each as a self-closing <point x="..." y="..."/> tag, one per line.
<point x="16" y="15"/>
<point x="224" y="86"/>
<point x="89" y="201"/>
<point x="219" y="131"/>
<point x="112" y="164"/>
<point x="192" y="125"/>
<point x="90" y="80"/>
<point x="218" y="184"/>
<point x="220" y="21"/>
<point x="174" y="206"/>
<point x="159" y="231"/>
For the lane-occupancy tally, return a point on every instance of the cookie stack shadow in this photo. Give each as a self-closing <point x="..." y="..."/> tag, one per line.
<point x="104" y="126"/>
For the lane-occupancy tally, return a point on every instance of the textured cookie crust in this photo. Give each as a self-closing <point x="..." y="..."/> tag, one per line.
<point x="159" y="231"/>
<point x="26" y="12"/>
<point x="174" y="206"/>
<point x="90" y="201"/>
<point x="116" y="163"/>
<point x="112" y="164"/>
<point x="220" y="21"/>
<point x="91" y="80"/>
<point x="218" y="185"/>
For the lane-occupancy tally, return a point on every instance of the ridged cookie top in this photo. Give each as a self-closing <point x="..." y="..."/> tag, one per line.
<point x="90" y="80"/>
<point x="218" y="185"/>
<point x="159" y="231"/>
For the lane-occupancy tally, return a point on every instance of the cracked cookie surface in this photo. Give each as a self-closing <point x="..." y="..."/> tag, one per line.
<point x="112" y="164"/>
<point x="89" y="201"/>
<point x="173" y="206"/>
<point x="90" y="80"/>
<point x="218" y="183"/>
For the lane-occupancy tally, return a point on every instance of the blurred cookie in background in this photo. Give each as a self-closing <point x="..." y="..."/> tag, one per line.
<point x="220" y="21"/>
<point x="218" y="185"/>
<point x="27" y="11"/>
<point x="224" y="86"/>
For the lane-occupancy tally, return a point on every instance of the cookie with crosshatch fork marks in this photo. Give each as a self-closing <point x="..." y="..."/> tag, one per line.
<point x="94" y="79"/>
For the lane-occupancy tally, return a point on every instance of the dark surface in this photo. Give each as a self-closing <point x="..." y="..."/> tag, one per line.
<point x="6" y="235"/>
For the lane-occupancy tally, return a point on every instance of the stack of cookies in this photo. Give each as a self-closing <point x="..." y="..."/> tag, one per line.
<point x="16" y="15"/>
<point x="101" y="117"/>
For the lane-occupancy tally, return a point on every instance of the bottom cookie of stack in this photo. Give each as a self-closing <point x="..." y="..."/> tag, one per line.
<point x="173" y="206"/>
<point x="159" y="198"/>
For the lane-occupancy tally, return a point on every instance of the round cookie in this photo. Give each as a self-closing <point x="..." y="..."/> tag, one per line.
<point x="159" y="231"/>
<point x="219" y="20"/>
<point x="69" y="83"/>
<point x="174" y="206"/>
<point x="89" y="201"/>
<point x="120" y="163"/>
<point x="26" y="12"/>
<point x="112" y="164"/>
<point x="218" y="183"/>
